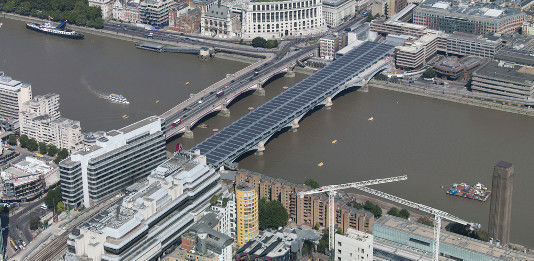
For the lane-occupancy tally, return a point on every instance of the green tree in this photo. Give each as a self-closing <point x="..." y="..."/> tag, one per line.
<point x="61" y="155"/>
<point x="357" y="205"/>
<point x="307" y="247"/>
<point x="429" y="73"/>
<point x="311" y="183"/>
<point x="23" y="139"/>
<point x="52" y="198"/>
<point x="393" y="211"/>
<point x="375" y="209"/>
<point x="214" y="199"/>
<point x="339" y="230"/>
<point x="59" y="207"/>
<point x="35" y="223"/>
<point x="425" y="221"/>
<point x="322" y="247"/>
<point x="12" y="140"/>
<point x="271" y="44"/>
<point x="272" y="214"/>
<point x="52" y="150"/>
<point x="259" y="42"/>
<point x="404" y="213"/>
<point x="483" y="235"/>
<point x="32" y="145"/>
<point x="317" y="226"/>
<point x="42" y="148"/>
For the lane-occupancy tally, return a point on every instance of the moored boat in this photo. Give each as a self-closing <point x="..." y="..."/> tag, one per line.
<point x="59" y="30"/>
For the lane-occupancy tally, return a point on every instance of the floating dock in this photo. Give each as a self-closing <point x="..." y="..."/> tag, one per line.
<point x="476" y="192"/>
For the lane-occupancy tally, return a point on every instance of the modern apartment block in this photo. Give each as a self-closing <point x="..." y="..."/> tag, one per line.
<point x="468" y="17"/>
<point x="503" y="79"/>
<point x="13" y="94"/>
<point x="40" y="119"/>
<point x="354" y="245"/>
<point x="152" y="214"/>
<point x="477" y="45"/>
<point x="116" y="160"/>
<point x="226" y="212"/>
<point x="247" y="213"/>
<point x="310" y="210"/>
<point x="328" y="46"/>
<point x="502" y="188"/>
<point x="155" y="12"/>
<point x="415" y="54"/>
<point x="280" y="19"/>
<point x="335" y="12"/>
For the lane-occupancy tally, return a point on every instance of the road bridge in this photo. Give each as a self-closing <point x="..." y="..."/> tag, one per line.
<point x="183" y="117"/>
<point x="253" y="131"/>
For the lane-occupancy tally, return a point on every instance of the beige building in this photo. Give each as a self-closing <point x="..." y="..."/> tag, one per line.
<point x="335" y="12"/>
<point x="220" y="21"/>
<point x="126" y="11"/>
<point x="247" y="213"/>
<point x="105" y="5"/>
<point x="155" y="12"/>
<point x="416" y="53"/>
<point x="13" y="94"/>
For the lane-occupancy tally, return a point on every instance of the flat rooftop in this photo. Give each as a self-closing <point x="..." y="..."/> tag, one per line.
<point x="515" y="73"/>
<point x="467" y="9"/>
<point x="523" y="57"/>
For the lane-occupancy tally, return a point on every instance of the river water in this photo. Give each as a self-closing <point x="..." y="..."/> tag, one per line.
<point x="436" y="143"/>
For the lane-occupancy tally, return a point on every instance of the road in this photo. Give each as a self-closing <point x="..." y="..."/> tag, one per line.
<point x="18" y="226"/>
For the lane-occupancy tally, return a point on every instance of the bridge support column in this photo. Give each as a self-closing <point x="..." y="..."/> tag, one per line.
<point x="260" y="91"/>
<point x="225" y="112"/>
<point x="290" y="74"/>
<point x="328" y="103"/>
<point x="364" y="87"/>
<point x="261" y="148"/>
<point x="188" y="134"/>
<point x="295" y="125"/>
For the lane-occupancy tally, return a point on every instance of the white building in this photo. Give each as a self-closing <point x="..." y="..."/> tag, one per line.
<point x="226" y="212"/>
<point x="105" y="5"/>
<point x="279" y="19"/>
<point x="115" y="161"/>
<point x="27" y="179"/>
<point x="126" y="11"/>
<point x="220" y="21"/>
<point x="13" y="94"/>
<point x="40" y="119"/>
<point x="355" y="245"/>
<point x="335" y="12"/>
<point x="152" y="215"/>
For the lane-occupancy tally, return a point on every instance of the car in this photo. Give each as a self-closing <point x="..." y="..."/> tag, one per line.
<point x="43" y="206"/>
<point x="199" y="101"/>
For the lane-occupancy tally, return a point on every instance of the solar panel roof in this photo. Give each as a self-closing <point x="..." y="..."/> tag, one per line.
<point x="241" y="135"/>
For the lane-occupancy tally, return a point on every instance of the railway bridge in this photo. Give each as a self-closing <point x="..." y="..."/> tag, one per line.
<point x="253" y="131"/>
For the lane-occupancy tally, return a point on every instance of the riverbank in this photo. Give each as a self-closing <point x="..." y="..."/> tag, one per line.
<point x="452" y="98"/>
<point x="129" y="38"/>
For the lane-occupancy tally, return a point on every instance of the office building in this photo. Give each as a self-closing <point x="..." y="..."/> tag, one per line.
<point x="397" y="28"/>
<point x="27" y="179"/>
<point x="335" y="12"/>
<point x="503" y="79"/>
<point x="354" y="245"/>
<point x="185" y="20"/>
<point x="516" y="57"/>
<point x="281" y="245"/>
<point x="225" y="208"/>
<point x="41" y="120"/>
<point x="281" y="19"/>
<point x="246" y="213"/>
<point x="328" y="46"/>
<point x="454" y="68"/>
<point x="502" y="190"/>
<point x="106" y="7"/>
<point x="6" y="155"/>
<point x="476" y="45"/>
<point x="151" y="215"/>
<point x="395" y="6"/>
<point x="311" y="210"/>
<point x="415" y="54"/>
<point x="469" y="17"/>
<point x="155" y="12"/>
<point x="126" y="11"/>
<point x="401" y="232"/>
<point x="116" y="160"/>
<point x="204" y="5"/>
<point x="13" y="94"/>
<point x="220" y="21"/>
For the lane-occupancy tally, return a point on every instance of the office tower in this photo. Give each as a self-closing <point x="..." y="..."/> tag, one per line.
<point x="501" y="202"/>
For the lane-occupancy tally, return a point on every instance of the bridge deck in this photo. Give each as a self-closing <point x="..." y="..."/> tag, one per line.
<point x="243" y="134"/>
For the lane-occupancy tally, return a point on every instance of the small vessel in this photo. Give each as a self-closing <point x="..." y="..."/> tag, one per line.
<point x="334" y="141"/>
<point x="157" y="101"/>
<point x="117" y="98"/>
<point x="59" y="30"/>
<point x="187" y="83"/>
<point x="203" y="125"/>
<point x="371" y="118"/>
<point x="477" y="191"/>
<point x="320" y="164"/>
<point x="125" y="116"/>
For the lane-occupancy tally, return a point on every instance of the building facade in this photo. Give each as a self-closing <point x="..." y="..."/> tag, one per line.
<point x="246" y="213"/>
<point x="502" y="190"/>
<point x="40" y="119"/>
<point x="152" y="214"/>
<point x="335" y="12"/>
<point x="117" y="160"/>
<point x="280" y="19"/>
<point x="469" y="44"/>
<point x="328" y="46"/>
<point x="416" y="53"/>
<point x="106" y="6"/>
<point x="354" y="245"/>
<point x="312" y="210"/>
<point x="503" y="79"/>
<point x="155" y="12"/>
<point x="474" y="18"/>
<point x="394" y="6"/>
<point x="220" y="21"/>
<point x="13" y="94"/>
<point x="397" y="28"/>
<point x="27" y="179"/>
<point x="126" y="11"/>
<point x="185" y="20"/>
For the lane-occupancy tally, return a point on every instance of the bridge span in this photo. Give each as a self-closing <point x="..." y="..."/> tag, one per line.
<point x="181" y="118"/>
<point x="253" y="131"/>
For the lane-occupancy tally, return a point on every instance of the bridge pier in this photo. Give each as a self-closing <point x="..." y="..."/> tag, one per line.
<point x="290" y="74"/>
<point x="364" y="87"/>
<point x="261" y="147"/>
<point x="328" y="103"/>
<point x="188" y="134"/>
<point x="225" y="112"/>
<point x="260" y="91"/>
<point x="295" y="125"/>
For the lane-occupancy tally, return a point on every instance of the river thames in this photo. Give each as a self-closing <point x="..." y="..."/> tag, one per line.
<point x="436" y="143"/>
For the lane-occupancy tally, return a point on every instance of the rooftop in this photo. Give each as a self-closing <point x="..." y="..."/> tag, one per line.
<point x="468" y="9"/>
<point x="504" y="72"/>
<point x="9" y="83"/>
<point x="522" y="57"/>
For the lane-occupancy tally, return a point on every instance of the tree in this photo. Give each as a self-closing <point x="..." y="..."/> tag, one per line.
<point x="42" y="148"/>
<point x="272" y="214"/>
<point x="61" y="155"/>
<point x="59" y="207"/>
<point x="312" y="183"/>
<point x="12" y="140"/>
<point x="429" y="73"/>
<point x="214" y="199"/>
<point x="52" y="150"/>
<point x="35" y="223"/>
<point x="357" y="205"/>
<point x="317" y="226"/>
<point x="393" y="211"/>
<point x="307" y="247"/>
<point x="375" y="209"/>
<point x="322" y="247"/>
<point x="23" y="139"/>
<point x="271" y="44"/>
<point x="425" y="221"/>
<point x="259" y="42"/>
<point x="339" y="230"/>
<point x="32" y="145"/>
<point x="404" y="213"/>
<point x="52" y="198"/>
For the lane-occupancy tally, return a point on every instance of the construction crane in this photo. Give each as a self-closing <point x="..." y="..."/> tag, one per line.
<point x="332" y="191"/>
<point x="438" y="215"/>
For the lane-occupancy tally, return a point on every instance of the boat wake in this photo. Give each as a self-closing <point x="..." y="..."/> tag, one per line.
<point x="113" y="98"/>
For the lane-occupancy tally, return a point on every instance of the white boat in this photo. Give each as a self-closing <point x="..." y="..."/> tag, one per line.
<point x="117" y="98"/>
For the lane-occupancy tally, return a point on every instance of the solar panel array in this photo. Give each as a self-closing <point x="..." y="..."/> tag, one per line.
<point x="242" y="135"/>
